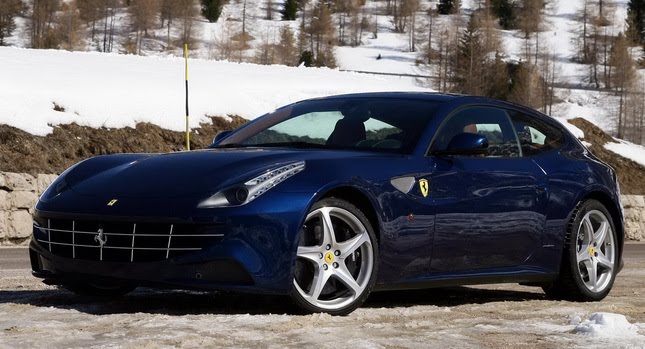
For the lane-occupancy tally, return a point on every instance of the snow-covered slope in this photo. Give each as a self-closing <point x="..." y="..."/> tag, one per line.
<point x="116" y="90"/>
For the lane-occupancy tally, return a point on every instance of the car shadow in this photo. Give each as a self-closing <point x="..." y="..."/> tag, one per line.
<point x="173" y="302"/>
<point x="143" y="300"/>
<point x="448" y="297"/>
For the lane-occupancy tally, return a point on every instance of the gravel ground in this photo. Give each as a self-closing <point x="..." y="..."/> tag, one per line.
<point x="33" y="315"/>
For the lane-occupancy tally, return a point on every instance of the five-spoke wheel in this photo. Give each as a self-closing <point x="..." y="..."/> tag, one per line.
<point x="336" y="259"/>
<point x="589" y="262"/>
<point x="595" y="252"/>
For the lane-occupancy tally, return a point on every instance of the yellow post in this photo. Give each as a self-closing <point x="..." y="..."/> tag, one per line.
<point x="187" y="114"/>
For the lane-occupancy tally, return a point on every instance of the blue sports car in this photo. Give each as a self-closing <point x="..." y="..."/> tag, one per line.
<point x="329" y="199"/>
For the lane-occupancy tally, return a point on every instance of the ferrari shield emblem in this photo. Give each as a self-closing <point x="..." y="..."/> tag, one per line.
<point x="112" y="202"/>
<point x="423" y="185"/>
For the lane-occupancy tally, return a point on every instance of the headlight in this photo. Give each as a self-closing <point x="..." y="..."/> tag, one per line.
<point x="250" y="190"/>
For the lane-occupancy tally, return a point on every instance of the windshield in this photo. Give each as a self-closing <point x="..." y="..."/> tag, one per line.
<point x="375" y="124"/>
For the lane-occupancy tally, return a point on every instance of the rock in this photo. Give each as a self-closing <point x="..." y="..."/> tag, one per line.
<point x="5" y="202"/>
<point x="19" y="181"/>
<point x="23" y="199"/>
<point x="3" y="225"/>
<point x="20" y="225"/>
<point x="43" y="181"/>
<point x="3" y="183"/>
<point x="632" y="201"/>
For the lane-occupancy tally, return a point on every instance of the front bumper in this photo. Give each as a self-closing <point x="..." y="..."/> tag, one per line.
<point x="199" y="271"/>
<point x="255" y="253"/>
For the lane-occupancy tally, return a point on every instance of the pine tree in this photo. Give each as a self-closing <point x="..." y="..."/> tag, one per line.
<point x="446" y="7"/>
<point x="212" y="9"/>
<point x="9" y="9"/>
<point x="289" y="10"/>
<point x="636" y="21"/>
<point x="469" y="60"/>
<point x="505" y="11"/>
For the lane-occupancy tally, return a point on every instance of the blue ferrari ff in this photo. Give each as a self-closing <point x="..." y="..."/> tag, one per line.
<point x="329" y="199"/>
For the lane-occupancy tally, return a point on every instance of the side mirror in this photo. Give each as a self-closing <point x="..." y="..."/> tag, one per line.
<point x="221" y="135"/>
<point x="465" y="144"/>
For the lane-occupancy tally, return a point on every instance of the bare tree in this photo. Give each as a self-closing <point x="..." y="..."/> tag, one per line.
<point x="265" y="52"/>
<point x="188" y="12"/>
<point x="69" y="26"/>
<point x="223" y="43"/>
<point x="108" y="9"/>
<point x="143" y="14"/>
<point x="320" y="35"/>
<point x="269" y="14"/>
<point x="287" y="50"/>
<point x="169" y="12"/>
<point x="530" y="19"/>
<point x="635" y="112"/>
<point x="622" y="77"/>
<point x="584" y="17"/>
<point x="409" y="9"/>
<point x="90" y="12"/>
<point x="41" y="23"/>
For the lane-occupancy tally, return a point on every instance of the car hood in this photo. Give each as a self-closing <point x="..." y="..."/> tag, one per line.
<point x="182" y="173"/>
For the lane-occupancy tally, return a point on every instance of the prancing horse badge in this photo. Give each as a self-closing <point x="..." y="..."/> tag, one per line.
<point x="423" y="185"/>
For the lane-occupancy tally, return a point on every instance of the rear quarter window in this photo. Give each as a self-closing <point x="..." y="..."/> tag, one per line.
<point x="535" y="136"/>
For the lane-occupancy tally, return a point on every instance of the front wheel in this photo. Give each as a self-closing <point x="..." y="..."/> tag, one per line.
<point x="590" y="257"/>
<point x="337" y="259"/>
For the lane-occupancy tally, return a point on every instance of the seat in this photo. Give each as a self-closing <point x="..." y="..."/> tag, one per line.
<point x="347" y="132"/>
<point x="351" y="128"/>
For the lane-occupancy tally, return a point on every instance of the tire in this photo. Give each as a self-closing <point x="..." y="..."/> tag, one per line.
<point x="336" y="260"/>
<point x="591" y="249"/>
<point x="99" y="289"/>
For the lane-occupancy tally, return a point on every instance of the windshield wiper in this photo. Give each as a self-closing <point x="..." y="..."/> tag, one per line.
<point x="294" y="145"/>
<point x="235" y="145"/>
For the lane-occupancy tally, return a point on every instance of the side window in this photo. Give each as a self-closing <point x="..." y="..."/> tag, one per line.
<point x="535" y="135"/>
<point x="490" y="122"/>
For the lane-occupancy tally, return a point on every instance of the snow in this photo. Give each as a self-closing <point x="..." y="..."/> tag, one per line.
<point x="111" y="90"/>
<point x="578" y="133"/>
<point x="628" y="150"/>
<point x="608" y="325"/>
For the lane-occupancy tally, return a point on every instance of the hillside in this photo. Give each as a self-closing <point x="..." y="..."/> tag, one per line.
<point x="631" y="174"/>
<point x="71" y="105"/>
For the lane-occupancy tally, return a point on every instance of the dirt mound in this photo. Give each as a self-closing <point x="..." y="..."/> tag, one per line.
<point x="631" y="175"/>
<point x="68" y="144"/>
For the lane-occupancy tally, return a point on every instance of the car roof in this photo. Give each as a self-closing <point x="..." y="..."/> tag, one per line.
<point x="429" y="96"/>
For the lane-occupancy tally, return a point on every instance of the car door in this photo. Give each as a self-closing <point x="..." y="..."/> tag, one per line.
<point x="489" y="210"/>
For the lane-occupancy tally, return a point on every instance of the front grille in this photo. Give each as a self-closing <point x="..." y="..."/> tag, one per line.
<point x="122" y="242"/>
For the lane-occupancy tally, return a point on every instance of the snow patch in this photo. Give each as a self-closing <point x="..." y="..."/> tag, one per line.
<point x="628" y="150"/>
<point x="607" y="325"/>
<point x="578" y="133"/>
<point x="111" y="90"/>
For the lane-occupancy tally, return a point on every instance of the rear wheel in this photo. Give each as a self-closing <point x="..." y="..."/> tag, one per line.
<point x="336" y="261"/>
<point x="590" y="258"/>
